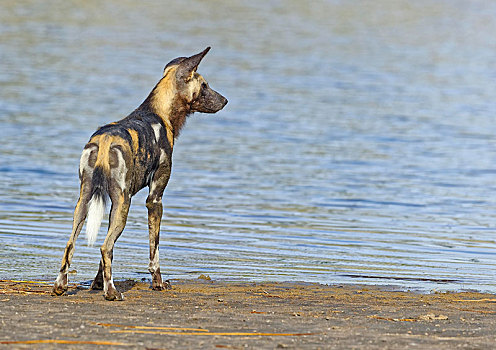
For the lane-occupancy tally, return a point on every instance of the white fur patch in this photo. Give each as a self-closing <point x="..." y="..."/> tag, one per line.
<point x="96" y="208"/>
<point x="119" y="173"/>
<point x="83" y="162"/>
<point x="163" y="156"/>
<point x="150" y="177"/>
<point x="153" y="186"/>
<point x="156" y="130"/>
<point x="106" y="284"/>
<point x="60" y="278"/>
<point x="154" y="264"/>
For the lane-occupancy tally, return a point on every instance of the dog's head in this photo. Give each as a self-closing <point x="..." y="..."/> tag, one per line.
<point x="192" y="87"/>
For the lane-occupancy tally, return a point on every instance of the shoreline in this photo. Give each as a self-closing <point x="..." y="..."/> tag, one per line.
<point x="236" y="315"/>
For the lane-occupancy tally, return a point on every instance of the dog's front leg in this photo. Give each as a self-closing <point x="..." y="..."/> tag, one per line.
<point x="154" y="215"/>
<point x="155" y="209"/>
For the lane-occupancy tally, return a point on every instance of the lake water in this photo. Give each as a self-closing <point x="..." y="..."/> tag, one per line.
<point x="358" y="145"/>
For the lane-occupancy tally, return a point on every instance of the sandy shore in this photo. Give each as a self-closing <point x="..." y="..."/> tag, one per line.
<point x="229" y="315"/>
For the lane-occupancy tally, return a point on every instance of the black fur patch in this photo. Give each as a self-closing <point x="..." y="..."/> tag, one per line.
<point x="99" y="184"/>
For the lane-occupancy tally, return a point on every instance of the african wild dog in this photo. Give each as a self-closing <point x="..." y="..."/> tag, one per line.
<point x="123" y="157"/>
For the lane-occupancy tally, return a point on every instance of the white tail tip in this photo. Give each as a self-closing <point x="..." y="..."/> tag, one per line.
<point x="96" y="209"/>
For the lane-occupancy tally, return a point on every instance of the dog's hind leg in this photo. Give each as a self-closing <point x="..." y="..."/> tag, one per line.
<point x="97" y="283"/>
<point x="155" y="209"/>
<point x="118" y="217"/>
<point x="80" y="213"/>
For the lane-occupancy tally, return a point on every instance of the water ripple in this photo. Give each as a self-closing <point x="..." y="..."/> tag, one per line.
<point x="353" y="149"/>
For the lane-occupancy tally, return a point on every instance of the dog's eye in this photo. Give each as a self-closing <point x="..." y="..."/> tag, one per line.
<point x="204" y="85"/>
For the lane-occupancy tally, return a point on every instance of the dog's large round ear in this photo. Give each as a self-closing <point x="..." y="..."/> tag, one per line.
<point x="188" y="66"/>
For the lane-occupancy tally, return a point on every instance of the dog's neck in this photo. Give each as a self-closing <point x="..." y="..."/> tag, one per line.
<point x="164" y="102"/>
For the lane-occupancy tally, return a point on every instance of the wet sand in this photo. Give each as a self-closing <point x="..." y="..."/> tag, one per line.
<point x="232" y="315"/>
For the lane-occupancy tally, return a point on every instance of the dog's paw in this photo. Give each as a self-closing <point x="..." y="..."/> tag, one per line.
<point x="60" y="285"/>
<point x="162" y="286"/>
<point x="59" y="289"/>
<point x="97" y="284"/>
<point x="114" y="295"/>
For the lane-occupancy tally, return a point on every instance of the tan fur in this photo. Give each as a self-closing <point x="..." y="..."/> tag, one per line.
<point x="170" y="133"/>
<point x="102" y="158"/>
<point x="162" y="99"/>
<point x="104" y="143"/>
<point x="163" y="94"/>
<point x="135" y="138"/>
<point x="195" y="85"/>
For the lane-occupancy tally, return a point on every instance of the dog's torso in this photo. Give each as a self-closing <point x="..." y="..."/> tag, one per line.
<point x="143" y="140"/>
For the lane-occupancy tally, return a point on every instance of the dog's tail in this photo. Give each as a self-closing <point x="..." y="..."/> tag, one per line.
<point x="96" y="205"/>
<point x="99" y="192"/>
